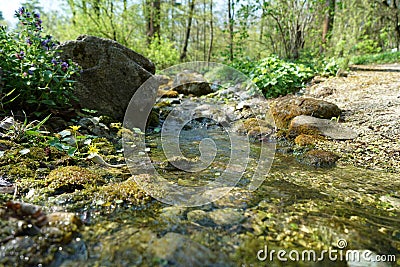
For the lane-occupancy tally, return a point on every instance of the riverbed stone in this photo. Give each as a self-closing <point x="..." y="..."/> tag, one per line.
<point x="315" y="126"/>
<point x="111" y="73"/>
<point x="179" y="250"/>
<point x="226" y="217"/>
<point x="319" y="158"/>
<point x="191" y="83"/>
<point x="286" y="108"/>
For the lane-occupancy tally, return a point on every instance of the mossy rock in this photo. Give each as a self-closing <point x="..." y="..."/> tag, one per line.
<point x="255" y="127"/>
<point x="319" y="158"/>
<point x="167" y="93"/>
<point x="284" y="109"/>
<point x="70" y="178"/>
<point x="305" y="140"/>
<point x="126" y="192"/>
<point x="6" y="144"/>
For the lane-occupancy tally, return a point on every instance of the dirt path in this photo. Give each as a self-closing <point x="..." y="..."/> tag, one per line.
<point x="371" y="104"/>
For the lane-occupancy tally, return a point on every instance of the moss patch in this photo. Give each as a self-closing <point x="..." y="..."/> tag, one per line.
<point x="70" y="178"/>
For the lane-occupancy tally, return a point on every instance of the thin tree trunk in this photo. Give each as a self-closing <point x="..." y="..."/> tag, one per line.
<point x="211" y="32"/>
<point x="204" y="31"/>
<point x="230" y="25"/>
<point x="328" y="23"/>
<point x="152" y="13"/>
<point x="187" y="36"/>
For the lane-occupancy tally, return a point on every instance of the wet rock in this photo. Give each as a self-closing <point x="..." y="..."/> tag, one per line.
<point x="226" y="217"/>
<point x="172" y="215"/>
<point x="256" y="128"/>
<point x="235" y="198"/>
<point x="6" y="187"/>
<point x="191" y="83"/>
<point x="201" y="217"/>
<point x="126" y="192"/>
<point x="125" y="247"/>
<point x="314" y="126"/>
<point x="29" y="237"/>
<point x="70" y="178"/>
<point x="179" y="163"/>
<point x="284" y="109"/>
<point x="111" y="73"/>
<point x="319" y="158"/>
<point x="177" y="250"/>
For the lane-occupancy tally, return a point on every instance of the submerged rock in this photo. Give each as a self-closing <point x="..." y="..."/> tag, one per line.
<point x="319" y="158"/>
<point x="111" y="73"/>
<point x="286" y="108"/>
<point x="314" y="126"/>
<point x="178" y="250"/>
<point x="30" y="237"/>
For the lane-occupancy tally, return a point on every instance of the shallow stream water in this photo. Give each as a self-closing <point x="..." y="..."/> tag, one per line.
<point x="296" y="208"/>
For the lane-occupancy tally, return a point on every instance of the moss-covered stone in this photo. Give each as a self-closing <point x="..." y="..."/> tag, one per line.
<point x="255" y="127"/>
<point x="70" y="178"/>
<point x="126" y="192"/>
<point x="286" y="108"/>
<point x="319" y="158"/>
<point x="305" y="140"/>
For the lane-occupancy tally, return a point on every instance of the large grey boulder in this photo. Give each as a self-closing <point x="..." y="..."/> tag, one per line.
<point x="111" y="73"/>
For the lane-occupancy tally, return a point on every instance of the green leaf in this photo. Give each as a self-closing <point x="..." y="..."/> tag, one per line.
<point x="71" y="151"/>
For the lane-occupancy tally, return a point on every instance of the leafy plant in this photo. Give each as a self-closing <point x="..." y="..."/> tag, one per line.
<point x="163" y="53"/>
<point x="386" y="57"/>
<point x="276" y="77"/>
<point x="20" y="131"/>
<point x="34" y="76"/>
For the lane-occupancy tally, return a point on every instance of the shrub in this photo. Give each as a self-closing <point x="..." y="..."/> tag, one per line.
<point x="276" y="77"/>
<point x="163" y="53"/>
<point x="385" y="57"/>
<point x="34" y="77"/>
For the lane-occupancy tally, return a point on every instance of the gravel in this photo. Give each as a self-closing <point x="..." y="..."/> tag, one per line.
<point x="370" y="101"/>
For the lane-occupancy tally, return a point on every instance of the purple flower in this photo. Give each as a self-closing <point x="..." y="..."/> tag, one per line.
<point x="30" y="72"/>
<point x="21" y="10"/>
<point x="36" y="15"/>
<point x="64" y="66"/>
<point x="29" y="41"/>
<point x="54" y="61"/>
<point x="20" y="55"/>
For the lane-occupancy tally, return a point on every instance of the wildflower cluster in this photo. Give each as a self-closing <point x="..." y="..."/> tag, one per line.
<point x="34" y="75"/>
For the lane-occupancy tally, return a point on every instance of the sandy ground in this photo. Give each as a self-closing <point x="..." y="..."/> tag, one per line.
<point x="370" y="101"/>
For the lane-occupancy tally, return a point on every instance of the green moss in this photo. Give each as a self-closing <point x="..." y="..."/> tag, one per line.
<point x="305" y="140"/>
<point x="71" y="178"/>
<point x="126" y="192"/>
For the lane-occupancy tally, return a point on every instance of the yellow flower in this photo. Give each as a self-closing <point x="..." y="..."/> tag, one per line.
<point x="93" y="149"/>
<point x="74" y="128"/>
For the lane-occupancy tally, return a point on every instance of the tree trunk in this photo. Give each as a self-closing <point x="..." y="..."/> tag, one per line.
<point x="152" y="13"/>
<point x="187" y="36"/>
<point x="328" y="23"/>
<point x="211" y="31"/>
<point x="230" y="25"/>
